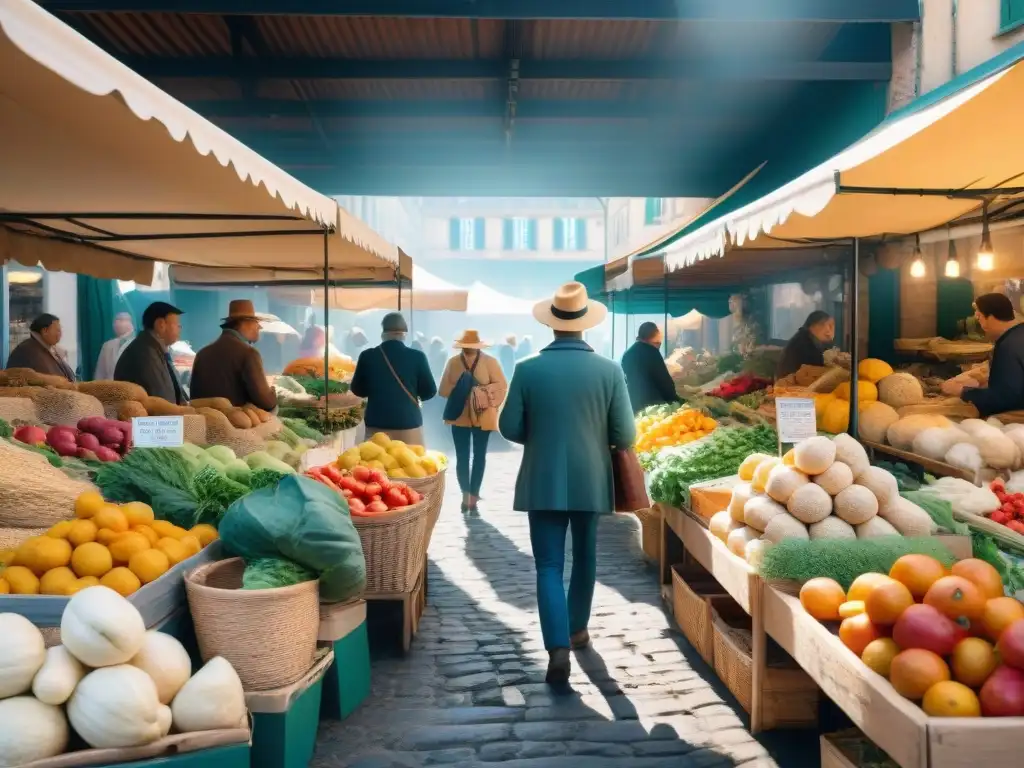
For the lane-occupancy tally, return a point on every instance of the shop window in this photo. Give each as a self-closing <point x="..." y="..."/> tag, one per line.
<point x="519" y="234"/>
<point x="25" y="301"/>
<point x="570" y="234"/>
<point x="653" y="210"/>
<point x="790" y="306"/>
<point x="1012" y="14"/>
<point x="466" y="234"/>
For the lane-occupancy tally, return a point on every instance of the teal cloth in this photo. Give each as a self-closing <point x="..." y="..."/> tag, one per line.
<point x="954" y="300"/>
<point x="388" y="405"/>
<point x="98" y="302"/>
<point x="567" y="406"/>
<point x="884" y="314"/>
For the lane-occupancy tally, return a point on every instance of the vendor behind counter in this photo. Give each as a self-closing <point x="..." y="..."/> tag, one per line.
<point x="808" y="345"/>
<point x="1005" y="390"/>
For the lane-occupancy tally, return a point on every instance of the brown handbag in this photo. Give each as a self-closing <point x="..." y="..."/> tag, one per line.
<point x="628" y="478"/>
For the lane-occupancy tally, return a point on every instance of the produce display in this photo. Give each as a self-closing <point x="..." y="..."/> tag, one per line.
<point x="743" y="384"/>
<point x="33" y="492"/>
<point x="341" y="367"/>
<point x="120" y="547"/>
<point x="95" y="439"/>
<point x="111" y="682"/>
<point x="683" y="425"/>
<point x="394" y="457"/>
<point x="369" y="491"/>
<point x="947" y="638"/>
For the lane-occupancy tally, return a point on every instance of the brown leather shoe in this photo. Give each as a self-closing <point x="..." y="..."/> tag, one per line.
<point x="580" y="640"/>
<point x="559" y="667"/>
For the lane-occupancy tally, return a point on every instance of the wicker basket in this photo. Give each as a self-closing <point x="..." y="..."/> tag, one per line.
<point x="432" y="489"/>
<point x="268" y="635"/>
<point x="650" y="531"/>
<point x="12" y="538"/>
<point x="693" y="591"/>
<point x="394" y="546"/>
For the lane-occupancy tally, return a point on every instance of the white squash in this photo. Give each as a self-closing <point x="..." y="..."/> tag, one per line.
<point x="60" y="673"/>
<point x="30" y="731"/>
<point x="749" y="464"/>
<point x="741" y="494"/>
<point x="832" y="528"/>
<point x="116" y="707"/>
<point x="973" y="427"/>
<point x="907" y="518"/>
<point x="810" y="504"/>
<point x="101" y="628"/>
<point x="965" y="456"/>
<point x="851" y="453"/>
<point x="165" y="660"/>
<point x="721" y="525"/>
<point x="875" y="421"/>
<point x="836" y="478"/>
<point x="754" y="551"/>
<point x="856" y="505"/>
<point x="782" y="481"/>
<point x="934" y="442"/>
<point x="739" y="539"/>
<point x="22" y="653"/>
<point x="785" y="527"/>
<point x="814" y="455"/>
<point x="212" y="699"/>
<point x="880" y="483"/>
<point x="901" y="434"/>
<point x="165" y="718"/>
<point x="875" y="528"/>
<point x="760" y="510"/>
<point x="760" y="478"/>
<point x="997" y="450"/>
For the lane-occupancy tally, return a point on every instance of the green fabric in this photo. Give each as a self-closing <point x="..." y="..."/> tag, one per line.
<point x="303" y="521"/>
<point x="954" y="300"/>
<point x="593" y="280"/>
<point x="98" y="302"/>
<point x="883" y="314"/>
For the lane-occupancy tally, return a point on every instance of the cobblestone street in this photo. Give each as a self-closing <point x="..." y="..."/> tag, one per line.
<point x="472" y="692"/>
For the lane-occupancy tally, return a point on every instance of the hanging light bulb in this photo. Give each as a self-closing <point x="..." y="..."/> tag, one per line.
<point x="917" y="268"/>
<point x="952" y="262"/>
<point x="986" y="255"/>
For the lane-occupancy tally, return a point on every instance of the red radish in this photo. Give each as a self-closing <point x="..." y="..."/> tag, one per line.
<point x="30" y="435"/>
<point x="65" y="448"/>
<point x="111" y="436"/>
<point x="88" y="441"/>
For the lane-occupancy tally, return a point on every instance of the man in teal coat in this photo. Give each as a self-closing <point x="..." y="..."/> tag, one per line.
<point x="568" y="407"/>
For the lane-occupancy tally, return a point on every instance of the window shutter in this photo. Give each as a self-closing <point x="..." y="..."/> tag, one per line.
<point x="480" y="235"/>
<point x="531" y="234"/>
<point x="454" y="232"/>
<point x="581" y="234"/>
<point x="507" y="242"/>
<point x="559" y="239"/>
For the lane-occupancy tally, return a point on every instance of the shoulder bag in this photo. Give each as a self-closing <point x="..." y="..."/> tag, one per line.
<point x="628" y="480"/>
<point x="461" y="392"/>
<point x="398" y="378"/>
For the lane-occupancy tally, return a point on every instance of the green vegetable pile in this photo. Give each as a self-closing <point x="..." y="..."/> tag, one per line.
<point x="1010" y="569"/>
<point x="906" y="478"/>
<point x="300" y="429"/>
<point x="720" y="454"/>
<point x="274" y="572"/>
<point x="6" y="430"/>
<point x="940" y="510"/>
<point x="316" y="386"/>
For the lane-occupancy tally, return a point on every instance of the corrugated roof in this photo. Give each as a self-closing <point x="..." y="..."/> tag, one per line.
<point x="158" y="34"/>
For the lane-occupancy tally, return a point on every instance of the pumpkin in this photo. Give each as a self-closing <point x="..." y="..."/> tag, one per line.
<point x="30" y="730"/>
<point x="212" y="699"/>
<point x="836" y="418"/>
<point x="60" y="674"/>
<point x="115" y="707"/>
<point x="874" y="370"/>
<point x="165" y="660"/>
<point x="101" y="628"/>
<point x="22" y="653"/>
<point x="866" y="392"/>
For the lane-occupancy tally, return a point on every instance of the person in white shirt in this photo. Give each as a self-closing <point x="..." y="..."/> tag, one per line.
<point x="124" y="332"/>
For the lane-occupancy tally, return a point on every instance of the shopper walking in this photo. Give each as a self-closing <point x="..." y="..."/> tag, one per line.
<point x="475" y="387"/>
<point x="569" y="408"/>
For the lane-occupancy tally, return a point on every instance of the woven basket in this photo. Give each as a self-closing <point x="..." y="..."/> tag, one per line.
<point x="693" y="593"/>
<point x="268" y="635"/>
<point x="394" y="546"/>
<point x="650" y="531"/>
<point x="432" y="490"/>
<point x="11" y="538"/>
<point x="67" y="407"/>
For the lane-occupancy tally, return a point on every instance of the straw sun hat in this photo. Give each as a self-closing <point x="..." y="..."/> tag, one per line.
<point x="470" y="339"/>
<point x="570" y="309"/>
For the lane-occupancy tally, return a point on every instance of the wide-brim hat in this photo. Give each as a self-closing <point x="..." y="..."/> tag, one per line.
<point x="570" y="309"/>
<point x="470" y="339"/>
<point x="241" y="309"/>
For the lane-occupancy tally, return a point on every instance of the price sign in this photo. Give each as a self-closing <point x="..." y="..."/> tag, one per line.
<point x="795" y="419"/>
<point x="158" y="431"/>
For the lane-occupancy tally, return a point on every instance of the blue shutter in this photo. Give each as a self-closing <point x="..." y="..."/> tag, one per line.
<point x="559" y="239"/>
<point x="531" y="234"/>
<point x="1013" y="13"/>
<point x="479" y="234"/>
<point x="581" y="234"/>
<point x="453" y="234"/>
<point x="506" y="235"/>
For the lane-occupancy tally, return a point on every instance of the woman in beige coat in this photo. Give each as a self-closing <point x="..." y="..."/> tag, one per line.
<point x="479" y="417"/>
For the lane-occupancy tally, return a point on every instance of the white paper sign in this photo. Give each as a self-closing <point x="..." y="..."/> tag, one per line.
<point x="795" y="419"/>
<point x="158" y="431"/>
<point x="318" y="457"/>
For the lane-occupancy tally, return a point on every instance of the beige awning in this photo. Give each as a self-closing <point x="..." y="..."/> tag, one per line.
<point x="82" y="134"/>
<point x="428" y="293"/>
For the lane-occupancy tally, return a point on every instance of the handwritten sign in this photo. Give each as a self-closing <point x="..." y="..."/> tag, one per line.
<point x="795" y="419"/>
<point x="158" y="431"/>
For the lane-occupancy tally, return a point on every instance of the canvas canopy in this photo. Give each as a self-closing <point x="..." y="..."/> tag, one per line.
<point x="104" y="174"/>
<point x="428" y="293"/>
<point x="484" y="300"/>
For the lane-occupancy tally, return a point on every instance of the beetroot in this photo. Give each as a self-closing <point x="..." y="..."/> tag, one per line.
<point x="88" y="441"/>
<point x="30" y="435"/>
<point x="107" y="454"/>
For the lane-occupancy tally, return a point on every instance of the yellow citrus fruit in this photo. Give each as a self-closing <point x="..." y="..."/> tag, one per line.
<point x="192" y="544"/>
<point x="88" y="503"/>
<point x="21" y="580"/>
<point x="91" y="559"/>
<point x="56" y="581"/>
<point x="138" y="513"/>
<point x="106" y="537"/>
<point x="127" y="544"/>
<point x="175" y="550"/>
<point x="111" y="518"/>
<point x="25" y="554"/>
<point x="951" y="699"/>
<point x="149" y="565"/>
<point x="79" y="584"/>
<point x="121" y="580"/>
<point x="60" y="530"/>
<point x="148" y="532"/>
<point x="206" y="534"/>
<point x="49" y="554"/>
<point x="90" y="581"/>
<point x="81" y="532"/>
<point x="878" y="655"/>
<point x="5" y="588"/>
<point x="167" y="530"/>
<point x="6" y="557"/>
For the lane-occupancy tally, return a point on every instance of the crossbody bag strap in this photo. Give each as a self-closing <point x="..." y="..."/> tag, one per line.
<point x="397" y="377"/>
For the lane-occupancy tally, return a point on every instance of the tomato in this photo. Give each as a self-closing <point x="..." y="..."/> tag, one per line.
<point x="999" y="517"/>
<point x="333" y="473"/>
<point x="376" y="507"/>
<point x="378" y="477"/>
<point x="1016" y="525"/>
<point x="346" y="493"/>
<point x="373" y="489"/>
<point x="395" y="498"/>
<point x="356" y="507"/>
<point x="362" y="474"/>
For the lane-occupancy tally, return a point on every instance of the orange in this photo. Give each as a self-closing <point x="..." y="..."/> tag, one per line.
<point x="950" y="699"/>
<point x="25" y="554"/>
<point x="148" y="532"/>
<point x="88" y="503"/>
<point x="973" y="660"/>
<point x="80" y="584"/>
<point x="121" y="580"/>
<point x="174" y="549"/>
<point x="167" y="530"/>
<point x="21" y="580"/>
<point x="879" y="654"/>
<point x="138" y="513"/>
<point x="206" y="534"/>
<point x="60" y="530"/>
<point x="91" y="559"/>
<point x="917" y="573"/>
<point x="957" y="598"/>
<point x="5" y="588"/>
<point x="864" y="584"/>
<point x="106" y="536"/>
<point x="999" y="613"/>
<point x="821" y="598"/>
<point x="914" y="671"/>
<point x="111" y="518"/>
<point x="49" y="553"/>
<point x="81" y="531"/>
<point x="851" y="608"/>
<point x="857" y="631"/>
<point x="56" y="581"/>
<point x="984" y="576"/>
<point x="127" y="544"/>
<point x="887" y="602"/>
<point x="149" y="565"/>
<point x="191" y="543"/>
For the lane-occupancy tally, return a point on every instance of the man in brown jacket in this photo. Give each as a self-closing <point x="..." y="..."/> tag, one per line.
<point x="231" y="367"/>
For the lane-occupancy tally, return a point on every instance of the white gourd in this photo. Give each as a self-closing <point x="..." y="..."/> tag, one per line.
<point x="907" y="518"/>
<point x="965" y="456"/>
<point x="165" y="660"/>
<point x="810" y="504"/>
<point x="785" y="527"/>
<point x="165" y="719"/>
<point x="211" y="700"/>
<point x="901" y="434"/>
<point x="738" y="540"/>
<point x="115" y="707"/>
<point x="875" y="528"/>
<point x="760" y="510"/>
<point x="880" y="483"/>
<point x="30" y="731"/>
<point x="56" y="680"/>
<point x="22" y="653"/>
<point x="856" y="505"/>
<point x="814" y="455"/>
<point x="749" y="464"/>
<point x="851" y="453"/>
<point x="101" y="628"/>
<point x="836" y="478"/>
<point x="973" y="427"/>
<point x="754" y="551"/>
<point x="992" y="421"/>
<point x="741" y="494"/>
<point x="934" y="442"/>
<point x="997" y="450"/>
<point x="832" y="528"/>
<point x="782" y="481"/>
<point x="722" y="524"/>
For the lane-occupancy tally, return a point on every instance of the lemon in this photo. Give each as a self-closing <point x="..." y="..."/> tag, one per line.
<point x="174" y="549"/>
<point x="21" y="580"/>
<point x="56" y="581"/>
<point x="5" y="588"/>
<point x="419" y="450"/>
<point x="60" y="530"/>
<point x="389" y="462"/>
<point x="79" y="584"/>
<point x="91" y="559"/>
<point x="111" y="518"/>
<point x="127" y="544"/>
<point x="122" y="581"/>
<point x="166" y="530"/>
<point x="88" y="503"/>
<point x="138" y="513"/>
<point x="81" y="531"/>
<point x="381" y="438"/>
<point x="191" y="543"/>
<point x="149" y="565"/>
<point x="106" y="537"/>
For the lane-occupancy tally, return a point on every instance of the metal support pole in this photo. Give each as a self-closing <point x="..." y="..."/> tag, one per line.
<point x="664" y="335"/>
<point x="327" y="332"/>
<point x="611" y="299"/>
<point x="854" y="334"/>
<point x="398" y="279"/>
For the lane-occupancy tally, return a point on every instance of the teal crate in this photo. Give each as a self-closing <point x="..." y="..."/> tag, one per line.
<point x="231" y="756"/>
<point x="347" y="683"/>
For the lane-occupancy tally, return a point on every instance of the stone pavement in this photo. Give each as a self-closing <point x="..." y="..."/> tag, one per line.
<point x="471" y="692"/>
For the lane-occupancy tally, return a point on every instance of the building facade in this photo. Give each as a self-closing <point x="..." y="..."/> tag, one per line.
<point x="633" y="222"/>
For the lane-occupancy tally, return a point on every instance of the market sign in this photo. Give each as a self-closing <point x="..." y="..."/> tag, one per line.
<point x="795" y="419"/>
<point x="158" y="431"/>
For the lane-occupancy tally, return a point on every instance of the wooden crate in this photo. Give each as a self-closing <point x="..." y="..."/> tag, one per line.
<point x="712" y="496"/>
<point x="852" y="749"/>
<point x="692" y="591"/>
<point x="789" y="698"/>
<point x="650" y="531"/>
